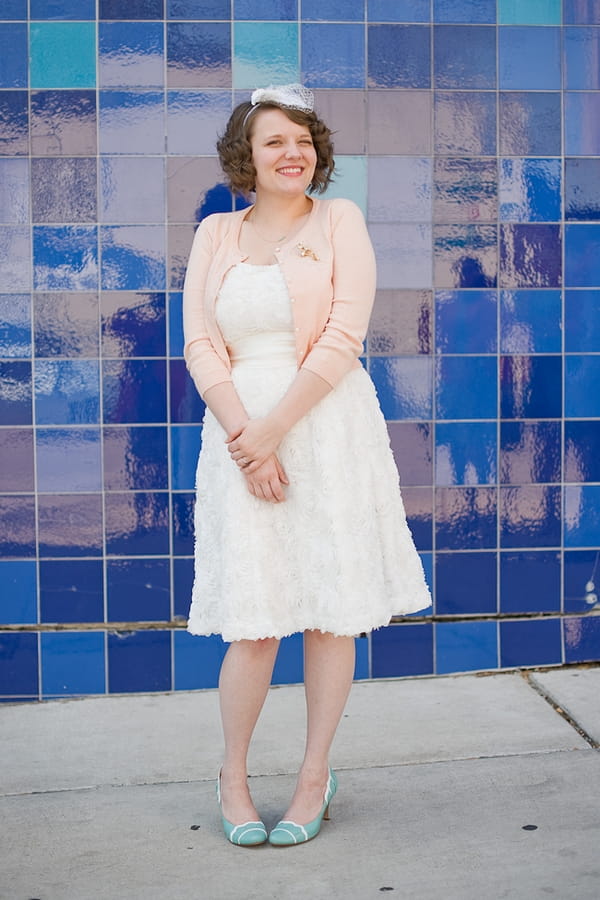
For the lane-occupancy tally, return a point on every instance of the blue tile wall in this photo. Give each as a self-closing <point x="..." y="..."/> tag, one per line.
<point x="469" y="133"/>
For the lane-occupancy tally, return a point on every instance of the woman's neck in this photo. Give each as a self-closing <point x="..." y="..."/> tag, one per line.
<point x="282" y="210"/>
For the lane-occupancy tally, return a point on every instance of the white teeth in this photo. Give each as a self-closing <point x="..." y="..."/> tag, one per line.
<point x="290" y="171"/>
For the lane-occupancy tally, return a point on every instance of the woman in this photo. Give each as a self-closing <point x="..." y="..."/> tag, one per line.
<point x="299" y="520"/>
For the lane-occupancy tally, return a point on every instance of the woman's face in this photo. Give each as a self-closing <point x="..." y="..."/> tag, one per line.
<point x="283" y="154"/>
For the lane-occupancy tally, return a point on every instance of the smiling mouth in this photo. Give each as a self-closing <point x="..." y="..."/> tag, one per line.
<point x="291" y="170"/>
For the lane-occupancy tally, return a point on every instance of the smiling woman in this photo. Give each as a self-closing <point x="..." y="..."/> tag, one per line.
<point x="299" y="521"/>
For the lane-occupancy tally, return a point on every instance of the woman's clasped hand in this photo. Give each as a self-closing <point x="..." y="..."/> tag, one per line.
<point x="253" y="449"/>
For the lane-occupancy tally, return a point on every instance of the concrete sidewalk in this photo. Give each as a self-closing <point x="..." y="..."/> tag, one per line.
<point x="451" y="788"/>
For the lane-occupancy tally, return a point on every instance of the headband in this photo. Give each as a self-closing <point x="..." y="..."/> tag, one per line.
<point x="290" y="96"/>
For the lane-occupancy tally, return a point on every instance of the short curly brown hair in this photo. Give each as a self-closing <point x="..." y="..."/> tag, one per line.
<point x="235" y="150"/>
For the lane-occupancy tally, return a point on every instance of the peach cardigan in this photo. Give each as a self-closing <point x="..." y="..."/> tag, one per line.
<point x="329" y="269"/>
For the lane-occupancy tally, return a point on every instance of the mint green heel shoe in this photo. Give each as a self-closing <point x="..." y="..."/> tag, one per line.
<point x="250" y="834"/>
<point x="287" y="833"/>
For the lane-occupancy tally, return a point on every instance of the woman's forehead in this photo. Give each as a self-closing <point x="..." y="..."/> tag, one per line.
<point x="275" y="121"/>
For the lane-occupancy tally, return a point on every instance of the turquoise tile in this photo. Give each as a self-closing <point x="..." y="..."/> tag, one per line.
<point x="529" y="12"/>
<point x="350" y="180"/>
<point x="265" y="53"/>
<point x="63" y="54"/>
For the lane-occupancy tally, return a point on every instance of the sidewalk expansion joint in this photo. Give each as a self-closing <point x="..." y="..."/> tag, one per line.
<point x="547" y="696"/>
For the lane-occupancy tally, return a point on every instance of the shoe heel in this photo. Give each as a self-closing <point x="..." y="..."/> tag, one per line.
<point x="326" y="813"/>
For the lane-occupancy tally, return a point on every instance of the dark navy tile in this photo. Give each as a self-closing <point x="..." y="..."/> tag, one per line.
<point x="465" y="453"/>
<point x="582" y="515"/>
<point x="63" y="190"/>
<point x="289" y="663"/>
<point x="418" y="503"/>
<point x="464" y="57"/>
<point x="13" y="55"/>
<point x="135" y="458"/>
<point x="15" y="392"/>
<point x="465" y="518"/>
<point x="71" y="590"/>
<point x="139" y="661"/>
<point x="19" y="591"/>
<point x="466" y="387"/>
<point x="66" y="324"/>
<point x="185" y="446"/>
<point x="183" y="578"/>
<point x="131" y="54"/>
<point x="400" y="323"/>
<point x="530" y="256"/>
<point x="582" y="580"/>
<point x="466" y="321"/>
<point x="133" y="323"/>
<point x="183" y="523"/>
<point x="18" y="666"/>
<point x="531" y="387"/>
<point x="580" y="12"/>
<point x="198" y="54"/>
<point x="530" y="582"/>
<point x="133" y="257"/>
<point x="529" y="58"/>
<point x="530" y="452"/>
<point x="399" y="122"/>
<point x="530" y="643"/>
<point x="67" y="392"/>
<point x="132" y="189"/>
<point x="465" y="123"/>
<point x="312" y="10"/>
<point x="16" y="460"/>
<point x="466" y="583"/>
<point x="481" y="12"/>
<point x="63" y="123"/>
<point x="398" y="11"/>
<point x="530" y="516"/>
<point x="70" y="525"/>
<point x="133" y="9"/>
<point x="466" y="190"/>
<point x="15" y="258"/>
<point x="72" y="664"/>
<point x="530" y="190"/>
<point x="65" y="257"/>
<point x="412" y="447"/>
<point x="333" y="55"/>
<point x="582" y="451"/>
<point x="198" y="9"/>
<point x="197" y="660"/>
<point x="176" y="339"/>
<point x="582" y="639"/>
<point x="582" y="50"/>
<point x="530" y="123"/>
<point x="530" y="321"/>
<point x="403" y="386"/>
<point x="132" y="122"/>
<point x="582" y="189"/>
<point x="186" y="405"/>
<point x="14" y="123"/>
<point x="16" y="9"/>
<point x="69" y="460"/>
<point x="17" y="525"/>
<point x="465" y="256"/>
<point x="582" y="321"/>
<point x="402" y="650"/>
<point x="465" y="647"/>
<point x="582" y="123"/>
<point x="14" y="191"/>
<point x="137" y="524"/>
<point x="582" y="255"/>
<point x="582" y="378"/>
<point x="15" y="326"/>
<point x="399" y="56"/>
<point x="138" y="590"/>
<point x="134" y="390"/>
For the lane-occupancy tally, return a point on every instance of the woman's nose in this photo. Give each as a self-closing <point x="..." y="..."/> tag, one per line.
<point x="292" y="150"/>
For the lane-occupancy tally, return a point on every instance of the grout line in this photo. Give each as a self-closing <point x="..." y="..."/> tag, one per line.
<point x="547" y="696"/>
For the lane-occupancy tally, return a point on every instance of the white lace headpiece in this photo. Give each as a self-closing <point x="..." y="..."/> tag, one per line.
<point x="291" y="96"/>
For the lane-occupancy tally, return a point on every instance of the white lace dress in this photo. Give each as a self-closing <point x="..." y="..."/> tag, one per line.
<point x="337" y="554"/>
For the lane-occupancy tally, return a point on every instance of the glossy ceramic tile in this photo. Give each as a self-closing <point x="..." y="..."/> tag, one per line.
<point x="465" y="256"/>
<point x="62" y="54"/>
<point x="182" y="523"/>
<point x="135" y="458"/>
<point x="350" y="181"/>
<point x="134" y="390"/>
<point x="399" y="56"/>
<point x="19" y="666"/>
<point x="16" y="9"/>
<point x="466" y="321"/>
<point x="198" y="9"/>
<point x="185" y="403"/>
<point x="15" y="325"/>
<point x="529" y="58"/>
<point x="530" y="387"/>
<point x="466" y="583"/>
<point x="582" y="639"/>
<point x="67" y="391"/>
<point x="267" y="53"/>
<point x="418" y="503"/>
<point x="63" y="122"/>
<point x="582" y="377"/>
<point x="582" y="247"/>
<point x="399" y="122"/>
<point x="582" y="321"/>
<point x="68" y="460"/>
<point x="135" y="9"/>
<point x="315" y="10"/>
<point x="65" y="257"/>
<point x="530" y="516"/>
<point x="530" y="582"/>
<point x="194" y="119"/>
<point x="69" y="525"/>
<point x="175" y="325"/>
<point x="16" y="460"/>
<point x="530" y="643"/>
<point x="131" y="54"/>
<point x="412" y="447"/>
<point x="19" y="591"/>
<point x="197" y="660"/>
<point x="139" y="661"/>
<point x="332" y="55"/>
<point x="185" y="446"/>
<point x="190" y="185"/>
<point x="15" y="392"/>
<point x="465" y="123"/>
<point x="66" y="324"/>
<point x="581" y="49"/>
<point x="530" y="321"/>
<point x="466" y="518"/>
<point x="183" y="577"/>
<point x="132" y="190"/>
<point x="404" y="257"/>
<point x="14" y="122"/>
<point x="464" y="57"/>
<point x="529" y="12"/>
<point x="466" y="190"/>
<point x="582" y="123"/>
<point x="402" y="651"/>
<point x="466" y="387"/>
<point x="133" y="324"/>
<point x="530" y="452"/>
<point x="131" y="122"/>
<point x="465" y="453"/>
<point x="71" y="590"/>
<point x="479" y="12"/>
<point x="198" y="54"/>
<point x="17" y="526"/>
<point x="133" y="257"/>
<point x="581" y="570"/>
<point x="13" y="55"/>
<point x="15" y="258"/>
<point x="465" y="646"/>
<point x="138" y="590"/>
<point x="403" y="386"/>
<point x="399" y="190"/>
<point x="72" y="664"/>
<point x="63" y="190"/>
<point x="582" y="451"/>
<point x="398" y="11"/>
<point x="580" y="12"/>
<point x="62" y="9"/>
<point x="400" y="323"/>
<point x="530" y="256"/>
<point x="581" y="515"/>
<point x="530" y="123"/>
<point x="582" y="189"/>
<point x="530" y="190"/>
<point x="137" y="523"/>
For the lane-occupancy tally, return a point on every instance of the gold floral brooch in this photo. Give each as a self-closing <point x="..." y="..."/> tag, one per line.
<point x="306" y="251"/>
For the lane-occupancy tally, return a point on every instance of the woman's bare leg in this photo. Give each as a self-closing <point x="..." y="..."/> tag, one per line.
<point x="328" y="673"/>
<point x="243" y="684"/>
